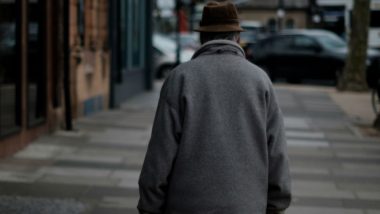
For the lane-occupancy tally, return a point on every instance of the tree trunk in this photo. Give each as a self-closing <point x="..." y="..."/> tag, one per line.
<point x="354" y="75"/>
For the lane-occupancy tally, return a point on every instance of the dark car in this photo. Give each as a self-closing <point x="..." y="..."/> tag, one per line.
<point x="304" y="54"/>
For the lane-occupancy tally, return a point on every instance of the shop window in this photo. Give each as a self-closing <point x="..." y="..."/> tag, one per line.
<point x="130" y="32"/>
<point x="136" y="31"/>
<point x="122" y="35"/>
<point x="9" y="67"/>
<point x="36" y="72"/>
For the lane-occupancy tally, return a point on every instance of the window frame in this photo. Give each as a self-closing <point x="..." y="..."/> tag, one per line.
<point x="42" y="60"/>
<point x="315" y="45"/>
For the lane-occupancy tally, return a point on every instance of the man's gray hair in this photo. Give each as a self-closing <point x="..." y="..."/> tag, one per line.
<point x="208" y="36"/>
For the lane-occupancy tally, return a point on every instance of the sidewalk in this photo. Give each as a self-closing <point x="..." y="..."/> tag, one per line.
<point x="356" y="105"/>
<point x="94" y="170"/>
<point x="335" y="168"/>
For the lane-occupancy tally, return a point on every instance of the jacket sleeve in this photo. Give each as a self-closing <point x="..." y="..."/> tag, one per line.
<point x="279" y="196"/>
<point x="162" y="149"/>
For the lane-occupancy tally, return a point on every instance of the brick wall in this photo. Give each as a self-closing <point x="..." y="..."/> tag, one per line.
<point x="90" y="59"/>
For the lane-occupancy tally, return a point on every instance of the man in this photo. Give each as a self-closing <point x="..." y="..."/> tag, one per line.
<point x="218" y="143"/>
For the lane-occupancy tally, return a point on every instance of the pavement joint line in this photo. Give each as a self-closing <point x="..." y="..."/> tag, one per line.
<point x="308" y="143"/>
<point x="319" y="210"/>
<point x="305" y="134"/>
<point x="355" y="130"/>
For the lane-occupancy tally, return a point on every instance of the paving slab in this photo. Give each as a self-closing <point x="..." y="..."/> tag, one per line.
<point x="319" y="210"/>
<point x="32" y="205"/>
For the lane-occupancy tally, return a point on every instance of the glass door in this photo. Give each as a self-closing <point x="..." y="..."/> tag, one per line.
<point x="36" y="57"/>
<point x="9" y="67"/>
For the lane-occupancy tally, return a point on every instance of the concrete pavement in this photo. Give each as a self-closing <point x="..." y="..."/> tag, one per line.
<point x="335" y="167"/>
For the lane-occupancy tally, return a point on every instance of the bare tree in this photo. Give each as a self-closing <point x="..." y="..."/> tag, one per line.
<point x="353" y="77"/>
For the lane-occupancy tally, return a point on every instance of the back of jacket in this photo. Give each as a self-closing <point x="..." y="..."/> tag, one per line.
<point x="217" y="144"/>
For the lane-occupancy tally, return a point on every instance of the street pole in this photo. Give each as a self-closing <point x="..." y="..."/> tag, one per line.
<point x="66" y="65"/>
<point x="192" y="11"/>
<point x="178" y="27"/>
<point x="149" y="47"/>
<point x="280" y="15"/>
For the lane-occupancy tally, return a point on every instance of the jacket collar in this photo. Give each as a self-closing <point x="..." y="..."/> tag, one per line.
<point x="219" y="46"/>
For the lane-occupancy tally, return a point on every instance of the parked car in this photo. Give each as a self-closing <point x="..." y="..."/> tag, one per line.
<point x="301" y="54"/>
<point x="165" y="54"/>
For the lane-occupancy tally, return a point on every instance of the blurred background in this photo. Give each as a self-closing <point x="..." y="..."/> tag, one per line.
<point x="73" y="70"/>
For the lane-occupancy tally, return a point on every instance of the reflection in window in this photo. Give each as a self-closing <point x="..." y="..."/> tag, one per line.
<point x="36" y="74"/>
<point x="9" y="70"/>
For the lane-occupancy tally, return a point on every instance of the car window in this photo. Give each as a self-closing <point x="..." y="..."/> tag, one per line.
<point x="283" y="43"/>
<point x="331" y="41"/>
<point x="266" y="44"/>
<point x="304" y="43"/>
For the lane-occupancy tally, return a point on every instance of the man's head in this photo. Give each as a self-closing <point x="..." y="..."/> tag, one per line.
<point x="219" y="21"/>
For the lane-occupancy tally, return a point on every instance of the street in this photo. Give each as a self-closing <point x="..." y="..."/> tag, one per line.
<point x="334" y="165"/>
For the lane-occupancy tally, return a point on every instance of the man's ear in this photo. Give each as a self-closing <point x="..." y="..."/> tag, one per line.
<point x="238" y="38"/>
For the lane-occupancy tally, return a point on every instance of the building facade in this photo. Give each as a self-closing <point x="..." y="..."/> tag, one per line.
<point x="59" y="61"/>
<point x="336" y="17"/>
<point x="89" y="56"/>
<point x="131" y="46"/>
<point x="272" y="13"/>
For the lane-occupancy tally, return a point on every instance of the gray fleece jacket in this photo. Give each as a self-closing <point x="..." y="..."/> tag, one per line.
<point x="218" y="143"/>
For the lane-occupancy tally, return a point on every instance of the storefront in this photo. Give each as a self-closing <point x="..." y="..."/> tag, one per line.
<point x="25" y="58"/>
<point x="61" y="60"/>
<point x="130" y="40"/>
<point x="22" y="69"/>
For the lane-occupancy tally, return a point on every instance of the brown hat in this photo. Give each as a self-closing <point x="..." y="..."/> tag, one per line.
<point x="219" y="17"/>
